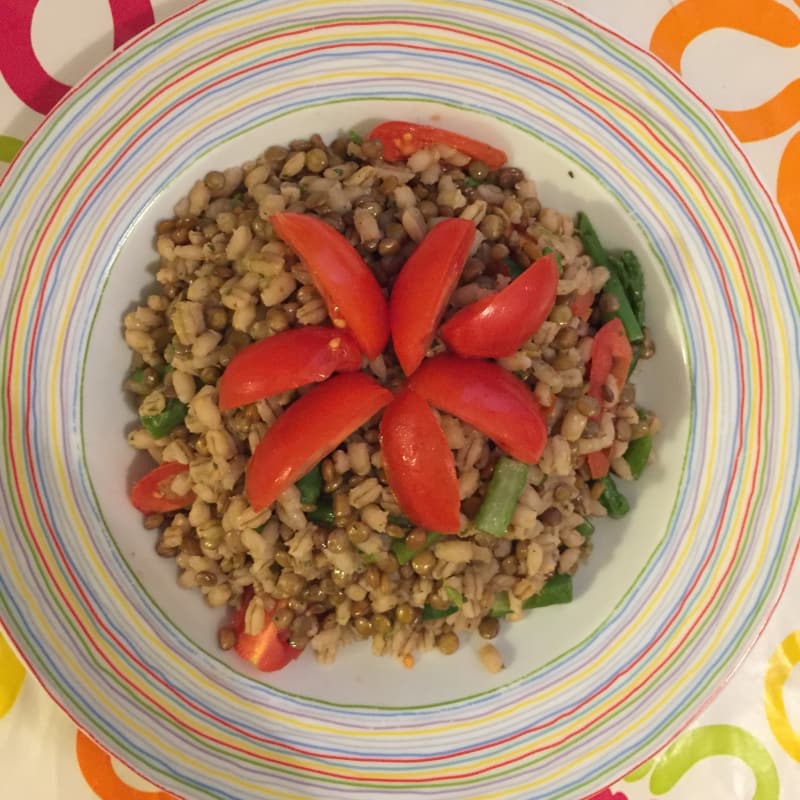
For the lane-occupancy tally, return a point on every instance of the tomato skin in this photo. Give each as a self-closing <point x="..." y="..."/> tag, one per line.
<point x="150" y="493"/>
<point x="286" y="361"/>
<point x="310" y="428"/>
<point x="611" y="355"/>
<point x="269" y="650"/>
<point x="350" y="290"/>
<point x="424" y="286"/>
<point x="582" y="305"/>
<point x="401" y="139"/>
<point x="489" y="398"/>
<point x="498" y="325"/>
<point x="419" y="464"/>
<point x="599" y="463"/>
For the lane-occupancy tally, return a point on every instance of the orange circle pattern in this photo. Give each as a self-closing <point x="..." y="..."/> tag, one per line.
<point x="98" y="771"/>
<point x="773" y="22"/>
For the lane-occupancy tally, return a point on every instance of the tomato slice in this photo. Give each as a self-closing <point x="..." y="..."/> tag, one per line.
<point x="498" y="325"/>
<point x="350" y="290"/>
<point x="309" y="429"/>
<point x="151" y="493"/>
<point x="286" y="361"/>
<point x="269" y="650"/>
<point x="599" y="463"/>
<point x="401" y="139"/>
<point x="487" y="397"/>
<point x="419" y="464"/>
<point x="611" y="355"/>
<point x="424" y="286"/>
<point x="582" y="305"/>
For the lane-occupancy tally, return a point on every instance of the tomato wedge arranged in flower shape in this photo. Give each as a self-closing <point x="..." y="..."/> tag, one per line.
<point x="402" y="139"/>
<point x="286" y="361"/>
<point x="310" y="428"/>
<point x="487" y="397"/>
<point x="498" y="325"/>
<point x="268" y="650"/>
<point x="424" y="286"/>
<point x="151" y="494"/>
<point x="419" y="464"/>
<point x="350" y="290"/>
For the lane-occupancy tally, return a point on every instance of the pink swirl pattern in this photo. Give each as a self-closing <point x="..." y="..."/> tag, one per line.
<point x="19" y="64"/>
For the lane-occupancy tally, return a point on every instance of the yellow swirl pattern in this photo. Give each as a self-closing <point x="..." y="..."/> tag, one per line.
<point x="781" y="663"/>
<point x="12" y="674"/>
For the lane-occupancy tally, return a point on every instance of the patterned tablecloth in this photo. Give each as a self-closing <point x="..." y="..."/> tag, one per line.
<point x="743" y="56"/>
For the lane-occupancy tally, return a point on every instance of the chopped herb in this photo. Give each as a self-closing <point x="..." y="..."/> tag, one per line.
<point x="137" y="376"/>
<point x="159" y="425"/>
<point x="455" y="597"/>
<point x="322" y="513"/>
<point x="456" y="601"/>
<point x="310" y="486"/>
<point x="429" y="612"/>
<point x="403" y="553"/>
<point x="400" y="521"/>
<point x="501" y="605"/>
<point x="515" y="269"/>
<point x="557" y="256"/>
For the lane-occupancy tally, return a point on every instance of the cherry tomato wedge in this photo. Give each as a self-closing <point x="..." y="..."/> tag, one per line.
<point x="487" y="397"/>
<point x="151" y="493"/>
<point x="286" y="361"/>
<point x="611" y="355"/>
<point x="310" y="428"/>
<point x="419" y="464"/>
<point x="350" y="290"/>
<point x="401" y="139"/>
<point x="498" y="325"/>
<point x="269" y="650"/>
<point x="424" y="286"/>
<point x="599" y="463"/>
<point x="582" y="305"/>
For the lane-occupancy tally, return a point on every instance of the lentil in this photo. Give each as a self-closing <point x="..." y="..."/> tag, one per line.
<point x="447" y="643"/>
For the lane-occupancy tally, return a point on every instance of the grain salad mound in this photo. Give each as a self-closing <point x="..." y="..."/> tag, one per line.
<point x="335" y="559"/>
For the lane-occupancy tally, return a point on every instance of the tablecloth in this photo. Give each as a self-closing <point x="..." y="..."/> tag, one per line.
<point x="743" y="56"/>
